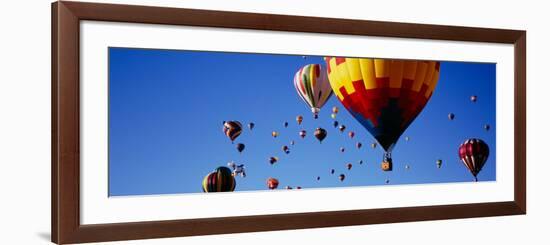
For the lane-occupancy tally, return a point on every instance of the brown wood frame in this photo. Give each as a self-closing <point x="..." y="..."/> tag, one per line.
<point x="66" y="227"/>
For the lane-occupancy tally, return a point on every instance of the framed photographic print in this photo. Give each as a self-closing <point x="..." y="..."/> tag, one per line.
<point x="175" y="122"/>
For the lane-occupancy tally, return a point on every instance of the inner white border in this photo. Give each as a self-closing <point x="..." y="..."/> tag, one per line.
<point x="97" y="207"/>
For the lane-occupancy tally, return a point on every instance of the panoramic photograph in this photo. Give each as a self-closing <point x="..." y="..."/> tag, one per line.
<point x="203" y="122"/>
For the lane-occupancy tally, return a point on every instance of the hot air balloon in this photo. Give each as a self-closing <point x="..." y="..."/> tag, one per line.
<point x="373" y="145"/>
<point x="318" y="178"/>
<point x="332" y="171"/>
<point x="304" y="57"/>
<point x="439" y="162"/>
<point x="335" y="124"/>
<point x="358" y="145"/>
<point x="473" y="153"/>
<point x="240" y="147"/>
<point x="288" y="187"/>
<point x="451" y="116"/>
<point x="220" y="180"/>
<point x="407" y="167"/>
<point x="333" y="115"/>
<point x="273" y="160"/>
<point x="342" y="149"/>
<point x="335" y="110"/>
<point x="272" y="183"/>
<point x="320" y="134"/>
<point x="342" y="128"/>
<point x="360" y="161"/>
<point x="274" y="134"/>
<point x="285" y="149"/>
<point x="292" y="142"/>
<point x="286" y="124"/>
<point x="341" y="177"/>
<point x="351" y="134"/>
<point x="298" y="187"/>
<point x="473" y="98"/>
<point x="232" y="129"/>
<point x="302" y="134"/>
<point x="348" y="166"/>
<point x="407" y="138"/>
<point x="237" y="169"/>
<point x="312" y="85"/>
<point x="384" y="95"/>
<point x="486" y="127"/>
<point x="250" y="125"/>
<point x="299" y="119"/>
<point x="387" y="181"/>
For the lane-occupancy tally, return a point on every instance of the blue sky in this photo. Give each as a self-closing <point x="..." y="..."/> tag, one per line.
<point x="166" y="110"/>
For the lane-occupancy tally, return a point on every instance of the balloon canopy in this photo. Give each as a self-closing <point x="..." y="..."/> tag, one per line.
<point x="473" y="153"/>
<point x="312" y="86"/>
<point x="220" y="180"/>
<point x="384" y="95"/>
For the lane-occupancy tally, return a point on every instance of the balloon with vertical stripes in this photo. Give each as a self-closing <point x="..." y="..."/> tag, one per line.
<point x="474" y="153"/>
<point x="220" y="180"/>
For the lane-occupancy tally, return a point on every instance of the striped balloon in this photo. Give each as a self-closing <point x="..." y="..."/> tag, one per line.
<point x="232" y="129"/>
<point x="473" y="153"/>
<point x="221" y="180"/>
<point x="384" y="95"/>
<point x="312" y="85"/>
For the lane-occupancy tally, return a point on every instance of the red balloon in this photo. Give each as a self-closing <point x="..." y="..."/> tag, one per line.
<point x="473" y="153"/>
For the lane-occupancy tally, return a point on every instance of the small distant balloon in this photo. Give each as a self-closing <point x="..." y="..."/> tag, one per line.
<point x="358" y="145"/>
<point x="272" y="183"/>
<point x="407" y="167"/>
<point x="320" y="134"/>
<point x="351" y="134"/>
<point x="342" y="149"/>
<point x="373" y="145"/>
<point x="486" y="127"/>
<point x="332" y="171"/>
<point x="451" y="116"/>
<point x="302" y="134"/>
<point x="273" y="160"/>
<point x="240" y="147"/>
<point x="439" y="162"/>
<point x="342" y="128"/>
<point x="360" y="161"/>
<point x="286" y="124"/>
<point x="299" y="119"/>
<point x="232" y="129"/>
<point x="292" y="142"/>
<point x="335" y="110"/>
<point x="342" y="177"/>
<point x="285" y="149"/>
<point x="318" y="178"/>
<point x="298" y="187"/>
<point x="288" y="187"/>
<point x="304" y="57"/>
<point x="349" y="166"/>
<point x="274" y="134"/>
<point x="473" y="153"/>
<point x="473" y="98"/>
<point x="251" y="125"/>
<point x="335" y="124"/>
<point x="237" y="169"/>
<point x="387" y="181"/>
<point x="333" y="116"/>
<point x="407" y="138"/>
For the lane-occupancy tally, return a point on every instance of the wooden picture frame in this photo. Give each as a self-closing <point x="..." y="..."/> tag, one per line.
<point x="66" y="226"/>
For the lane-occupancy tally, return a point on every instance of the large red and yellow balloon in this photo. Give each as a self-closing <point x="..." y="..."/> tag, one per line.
<point x="384" y="95"/>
